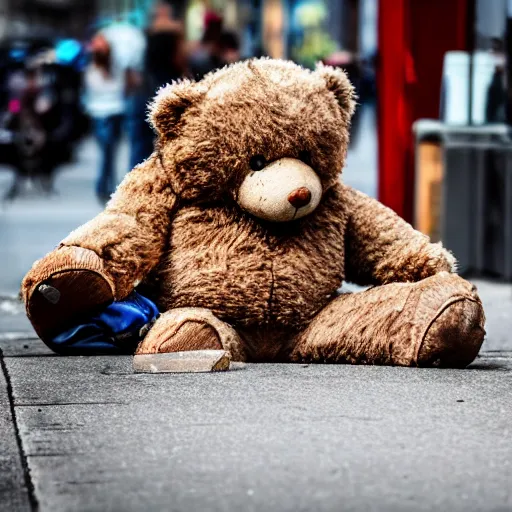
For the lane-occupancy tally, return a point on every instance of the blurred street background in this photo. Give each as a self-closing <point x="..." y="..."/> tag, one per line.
<point x="430" y="137"/>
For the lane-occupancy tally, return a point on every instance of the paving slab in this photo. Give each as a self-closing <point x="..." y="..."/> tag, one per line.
<point x="266" y="437"/>
<point x="14" y="494"/>
<point x="14" y="345"/>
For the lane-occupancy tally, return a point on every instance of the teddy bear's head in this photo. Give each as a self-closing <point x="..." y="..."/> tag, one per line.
<point x="267" y="134"/>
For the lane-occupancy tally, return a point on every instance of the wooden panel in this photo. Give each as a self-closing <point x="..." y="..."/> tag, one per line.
<point x="429" y="175"/>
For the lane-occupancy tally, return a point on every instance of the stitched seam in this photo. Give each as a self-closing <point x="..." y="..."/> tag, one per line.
<point x="439" y="312"/>
<point x="106" y="277"/>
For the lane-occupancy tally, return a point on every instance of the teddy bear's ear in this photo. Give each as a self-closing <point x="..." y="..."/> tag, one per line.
<point x="170" y="103"/>
<point x="338" y="83"/>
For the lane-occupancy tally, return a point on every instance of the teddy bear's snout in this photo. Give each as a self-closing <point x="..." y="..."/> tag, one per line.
<point x="283" y="190"/>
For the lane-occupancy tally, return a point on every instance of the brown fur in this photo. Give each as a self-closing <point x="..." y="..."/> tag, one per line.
<point x="191" y="335"/>
<point x="391" y="324"/>
<point x="249" y="273"/>
<point x="174" y="225"/>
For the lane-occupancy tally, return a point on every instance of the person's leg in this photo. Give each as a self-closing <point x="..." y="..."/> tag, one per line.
<point x="117" y="128"/>
<point x="99" y="125"/>
<point x="131" y="129"/>
<point x="48" y="166"/>
<point x="16" y="186"/>
<point x="435" y="322"/>
<point x="104" y="130"/>
<point x="140" y="135"/>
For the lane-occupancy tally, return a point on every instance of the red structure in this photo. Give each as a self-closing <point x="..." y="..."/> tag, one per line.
<point x="414" y="35"/>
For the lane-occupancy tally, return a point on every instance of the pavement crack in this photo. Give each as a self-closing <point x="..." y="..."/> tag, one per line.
<point x="34" y="504"/>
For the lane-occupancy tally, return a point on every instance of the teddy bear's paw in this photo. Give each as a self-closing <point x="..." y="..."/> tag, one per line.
<point x="455" y="336"/>
<point x="66" y="283"/>
<point x="190" y="335"/>
<point x="184" y="329"/>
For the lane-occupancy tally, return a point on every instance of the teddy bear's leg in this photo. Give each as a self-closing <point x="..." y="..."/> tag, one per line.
<point x="438" y="321"/>
<point x="184" y="329"/>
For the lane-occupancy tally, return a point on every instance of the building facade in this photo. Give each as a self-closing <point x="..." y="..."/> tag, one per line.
<point x="42" y="18"/>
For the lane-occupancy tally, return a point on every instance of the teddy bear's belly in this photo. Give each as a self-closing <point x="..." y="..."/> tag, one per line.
<point x="233" y="268"/>
<point x="232" y="281"/>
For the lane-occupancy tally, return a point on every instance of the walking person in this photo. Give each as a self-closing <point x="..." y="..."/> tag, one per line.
<point x="164" y="60"/>
<point x="105" y="102"/>
<point x="207" y="57"/>
<point x="128" y="48"/>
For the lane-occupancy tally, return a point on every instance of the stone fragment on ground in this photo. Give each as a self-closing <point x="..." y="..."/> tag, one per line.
<point x="194" y="361"/>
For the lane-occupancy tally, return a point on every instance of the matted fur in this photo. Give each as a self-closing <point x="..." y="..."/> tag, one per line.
<point x="174" y="227"/>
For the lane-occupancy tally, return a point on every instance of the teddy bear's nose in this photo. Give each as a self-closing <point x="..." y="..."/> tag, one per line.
<point x="299" y="197"/>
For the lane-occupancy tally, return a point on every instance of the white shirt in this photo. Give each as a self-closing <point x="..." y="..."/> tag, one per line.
<point x="104" y="96"/>
<point x="128" y="45"/>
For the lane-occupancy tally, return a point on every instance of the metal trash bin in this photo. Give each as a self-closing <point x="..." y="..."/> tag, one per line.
<point x="476" y="196"/>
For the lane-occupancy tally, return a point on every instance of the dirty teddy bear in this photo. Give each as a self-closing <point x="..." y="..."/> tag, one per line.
<point x="240" y="229"/>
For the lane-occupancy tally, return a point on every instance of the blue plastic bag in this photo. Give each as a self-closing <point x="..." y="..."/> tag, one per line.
<point x="117" y="329"/>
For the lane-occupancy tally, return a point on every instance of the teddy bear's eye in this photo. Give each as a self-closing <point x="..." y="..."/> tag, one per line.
<point x="257" y="162"/>
<point x="305" y="156"/>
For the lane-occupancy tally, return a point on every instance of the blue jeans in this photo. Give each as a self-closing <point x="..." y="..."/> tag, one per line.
<point x="140" y="134"/>
<point x="107" y="131"/>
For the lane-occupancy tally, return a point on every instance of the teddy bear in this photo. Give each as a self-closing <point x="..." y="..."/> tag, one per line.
<point x="240" y="229"/>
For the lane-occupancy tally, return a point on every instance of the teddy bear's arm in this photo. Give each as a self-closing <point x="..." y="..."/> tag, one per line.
<point x="130" y="234"/>
<point x="121" y="244"/>
<point x="381" y="247"/>
<point x="106" y="258"/>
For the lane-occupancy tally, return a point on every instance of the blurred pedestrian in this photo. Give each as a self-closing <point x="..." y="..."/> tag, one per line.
<point x="207" y="56"/>
<point x="166" y="58"/>
<point x="105" y="102"/>
<point x="350" y="63"/>
<point x="164" y="61"/>
<point x="496" y="98"/>
<point x="163" y="19"/>
<point x="230" y="47"/>
<point x="128" y="47"/>
<point x="31" y="141"/>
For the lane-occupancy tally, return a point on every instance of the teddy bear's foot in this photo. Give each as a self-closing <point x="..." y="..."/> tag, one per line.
<point x="455" y="336"/>
<point x="438" y="321"/>
<point x="65" y="284"/>
<point x="184" y="329"/>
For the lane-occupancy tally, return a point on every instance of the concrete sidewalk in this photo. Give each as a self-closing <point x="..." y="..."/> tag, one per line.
<point x="94" y="436"/>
